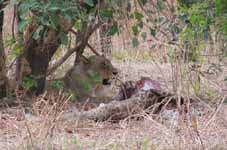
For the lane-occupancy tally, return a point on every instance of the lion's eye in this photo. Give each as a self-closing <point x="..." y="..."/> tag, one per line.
<point x="104" y="64"/>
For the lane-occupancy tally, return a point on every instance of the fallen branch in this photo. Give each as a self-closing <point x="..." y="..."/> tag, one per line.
<point x="115" y="110"/>
<point x="144" y="94"/>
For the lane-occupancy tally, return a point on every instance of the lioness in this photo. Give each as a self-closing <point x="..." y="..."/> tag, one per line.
<point x="89" y="78"/>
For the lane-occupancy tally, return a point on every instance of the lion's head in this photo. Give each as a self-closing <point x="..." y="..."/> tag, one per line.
<point x="85" y="78"/>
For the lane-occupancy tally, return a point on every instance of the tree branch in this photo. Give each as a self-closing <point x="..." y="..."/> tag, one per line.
<point x="82" y="43"/>
<point x="63" y="59"/>
<point x="93" y="50"/>
<point x="115" y="110"/>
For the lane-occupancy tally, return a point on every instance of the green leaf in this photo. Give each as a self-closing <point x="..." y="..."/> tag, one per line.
<point x="221" y="6"/>
<point x="153" y="32"/>
<point x="135" y="30"/>
<point x="36" y="34"/>
<point x="106" y="14"/>
<point x="143" y="2"/>
<point x="22" y="25"/>
<point x="29" y="82"/>
<point x="10" y="42"/>
<point x="57" y="84"/>
<point x="95" y="78"/>
<point x="53" y="21"/>
<point x="64" y="38"/>
<point x="206" y="34"/>
<point x="112" y="31"/>
<point x="89" y="3"/>
<point x="78" y="25"/>
<point x="86" y="85"/>
<point x="18" y="49"/>
<point x="54" y="8"/>
<point x="45" y="20"/>
<point x="160" y="5"/>
<point x="138" y="15"/>
<point x="144" y="36"/>
<point x="135" y="42"/>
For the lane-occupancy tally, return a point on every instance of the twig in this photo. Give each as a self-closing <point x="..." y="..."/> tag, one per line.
<point x="195" y="127"/>
<point x="74" y="32"/>
<point x="30" y="134"/>
<point x="93" y="50"/>
<point x="215" y="113"/>
<point x="13" y="62"/>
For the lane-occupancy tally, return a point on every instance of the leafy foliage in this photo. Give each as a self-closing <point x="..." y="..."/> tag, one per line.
<point x="29" y="82"/>
<point x="202" y="19"/>
<point x="57" y="84"/>
<point x="49" y="13"/>
<point x="95" y="78"/>
<point x="197" y="15"/>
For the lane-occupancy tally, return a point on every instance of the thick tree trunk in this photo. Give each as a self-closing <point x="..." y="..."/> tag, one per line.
<point x="39" y="64"/>
<point x="38" y="53"/>
<point x="3" y="78"/>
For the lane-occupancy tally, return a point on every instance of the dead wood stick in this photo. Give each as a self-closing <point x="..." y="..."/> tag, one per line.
<point x="115" y="110"/>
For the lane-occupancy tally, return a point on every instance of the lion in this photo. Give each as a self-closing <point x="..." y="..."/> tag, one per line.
<point x="90" y="78"/>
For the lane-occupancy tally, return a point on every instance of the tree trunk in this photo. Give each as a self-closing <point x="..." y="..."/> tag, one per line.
<point x="3" y="78"/>
<point x="38" y="53"/>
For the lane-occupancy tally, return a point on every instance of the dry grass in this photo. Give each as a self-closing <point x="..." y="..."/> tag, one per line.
<point x="44" y="130"/>
<point x="169" y="131"/>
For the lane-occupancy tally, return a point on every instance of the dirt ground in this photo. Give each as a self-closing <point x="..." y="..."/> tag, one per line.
<point x="203" y="129"/>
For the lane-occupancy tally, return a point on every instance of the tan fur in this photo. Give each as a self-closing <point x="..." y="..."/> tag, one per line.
<point x="85" y="79"/>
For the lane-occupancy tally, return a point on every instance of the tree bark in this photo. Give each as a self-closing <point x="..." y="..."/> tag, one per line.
<point x="38" y="53"/>
<point x="83" y="37"/>
<point x="3" y="78"/>
<point x="117" y="110"/>
<point x="79" y="47"/>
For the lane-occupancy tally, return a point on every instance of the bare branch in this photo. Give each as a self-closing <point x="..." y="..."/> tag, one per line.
<point x="115" y="110"/>
<point x="93" y="50"/>
<point x="82" y="43"/>
<point x="63" y="59"/>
